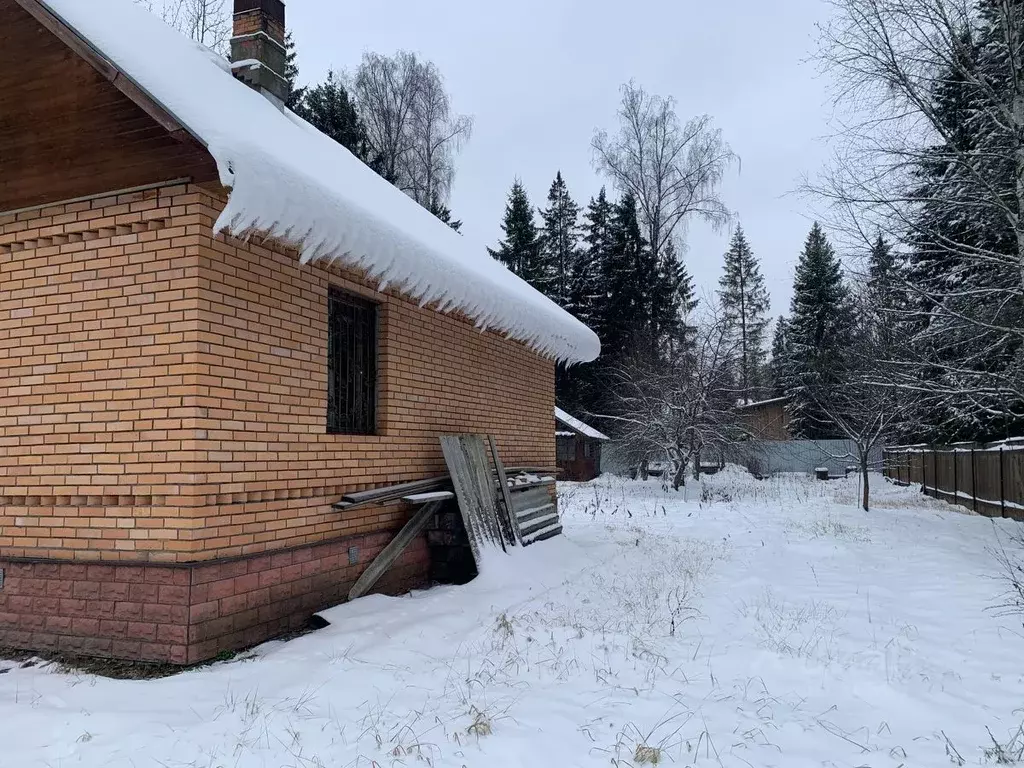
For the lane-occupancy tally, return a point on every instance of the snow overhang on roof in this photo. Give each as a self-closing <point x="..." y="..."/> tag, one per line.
<point x="290" y="181"/>
<point x="578" y="426"/>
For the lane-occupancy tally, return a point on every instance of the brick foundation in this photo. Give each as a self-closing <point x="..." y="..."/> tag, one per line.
<point x="187" y="613"/>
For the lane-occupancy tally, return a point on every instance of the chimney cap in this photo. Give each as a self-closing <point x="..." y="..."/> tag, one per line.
<point x="274" y="9"/>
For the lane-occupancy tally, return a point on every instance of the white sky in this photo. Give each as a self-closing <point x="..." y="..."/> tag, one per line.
<point x="539" y="76"/>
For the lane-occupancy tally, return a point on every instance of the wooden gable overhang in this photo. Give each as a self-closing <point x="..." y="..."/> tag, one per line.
<point x="73" y="125"/>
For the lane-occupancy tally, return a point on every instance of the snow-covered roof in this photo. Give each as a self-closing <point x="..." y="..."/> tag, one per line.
<point x="578" y="426"/>
<point x="742" y="405"/>
<point x="289" y="180"/>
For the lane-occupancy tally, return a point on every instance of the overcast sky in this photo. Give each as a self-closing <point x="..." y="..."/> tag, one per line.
<point x="538" y="76"/>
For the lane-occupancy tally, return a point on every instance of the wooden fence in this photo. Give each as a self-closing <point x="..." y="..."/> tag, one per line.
<point x="987" y="479"/>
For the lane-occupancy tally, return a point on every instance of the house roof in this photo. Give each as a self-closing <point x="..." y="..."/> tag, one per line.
<point x="577" y="426"/>
<point x="762" y="403"/>
<point x="288" y="180"/>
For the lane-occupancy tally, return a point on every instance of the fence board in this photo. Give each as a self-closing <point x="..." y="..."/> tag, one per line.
<point x="988" y="480"/>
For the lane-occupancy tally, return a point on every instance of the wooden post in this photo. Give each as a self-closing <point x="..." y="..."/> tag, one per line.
<point x="956" y="477"/>
<point x="974" y="478"/>
<point x="1002" y="484"/>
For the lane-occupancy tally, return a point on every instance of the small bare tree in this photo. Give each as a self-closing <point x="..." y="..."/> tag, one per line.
<point x="413" y="133"/>
<point x="205" y="21"/>
<point x="674" y="171"/>
<point x="867" y="407"/>
<point x="675" y="408"/>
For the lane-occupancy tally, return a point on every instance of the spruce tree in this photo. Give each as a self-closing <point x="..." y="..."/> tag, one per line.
<point x="745" y="302"/>
<point x="588" y="291"/>
<point x="780" y="357"/>
<point x="580" y="388"/>
<point x="626" y="275"/>
<point x="559" y="240"/>
<point x="291" y="74"/>
<point x="820" y="328"/>
<point x="520" y="249"/>
<point x="328" y="108"/>
<point x="671" y="304"/>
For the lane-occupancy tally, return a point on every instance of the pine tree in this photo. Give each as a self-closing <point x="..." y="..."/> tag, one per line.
<point x="520" y="250"/>
<point x="559" y="240"/>
<point x="780" y="356"/>
<point x="328" y="108"/>
<point x="745" y="302"/>
<point x="820" y="328"/>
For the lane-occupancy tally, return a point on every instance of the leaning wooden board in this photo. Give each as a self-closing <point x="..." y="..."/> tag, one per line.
<point x="476" y="491"/>
<point x="394" y="549"/>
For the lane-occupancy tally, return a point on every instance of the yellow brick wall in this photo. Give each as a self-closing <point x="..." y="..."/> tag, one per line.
<point x="163" y="393"/>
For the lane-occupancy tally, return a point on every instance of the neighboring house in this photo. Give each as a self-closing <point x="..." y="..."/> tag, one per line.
<point x="765" y="420"/>
<point x="179" y="407"/>
<point x="578" y="448"/>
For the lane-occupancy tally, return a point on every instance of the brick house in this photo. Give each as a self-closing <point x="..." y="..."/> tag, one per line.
<point x="180" y="406"/>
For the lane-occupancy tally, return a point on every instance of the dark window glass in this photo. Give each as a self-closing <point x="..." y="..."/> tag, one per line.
<point x="351" y="364"/>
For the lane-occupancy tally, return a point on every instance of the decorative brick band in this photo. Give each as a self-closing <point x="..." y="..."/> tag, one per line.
<point x="95" y="502"/>
<point x="82" y="236"/>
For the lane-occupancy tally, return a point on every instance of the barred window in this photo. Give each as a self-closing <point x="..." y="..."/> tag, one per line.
<point x="351" y="364"/>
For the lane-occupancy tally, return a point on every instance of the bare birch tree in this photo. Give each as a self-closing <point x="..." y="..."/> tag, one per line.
<point x="673" y="170"/>
<point x="413" y="132"/>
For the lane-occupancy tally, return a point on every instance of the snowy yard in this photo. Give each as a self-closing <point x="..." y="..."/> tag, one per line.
<point x="769" y="624"/>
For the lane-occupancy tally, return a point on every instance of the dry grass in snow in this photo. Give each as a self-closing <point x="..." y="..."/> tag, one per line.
<point x="742" y="623"/>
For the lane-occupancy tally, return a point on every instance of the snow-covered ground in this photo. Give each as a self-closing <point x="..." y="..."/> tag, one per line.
<point x="756" y="624"/>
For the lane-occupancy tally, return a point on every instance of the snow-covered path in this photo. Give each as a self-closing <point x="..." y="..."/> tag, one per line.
<point x="764" y="624"/>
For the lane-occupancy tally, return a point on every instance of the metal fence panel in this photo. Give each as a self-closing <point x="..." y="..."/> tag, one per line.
<point x="767" y="457"/>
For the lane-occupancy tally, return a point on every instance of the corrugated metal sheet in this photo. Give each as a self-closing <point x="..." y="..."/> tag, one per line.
<point x="765" y="457"/>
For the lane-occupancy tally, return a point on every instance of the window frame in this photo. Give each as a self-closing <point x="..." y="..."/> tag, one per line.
<point x="348" y="421"/>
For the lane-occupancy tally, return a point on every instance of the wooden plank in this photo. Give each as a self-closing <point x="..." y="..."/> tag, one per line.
<point x="544" y="535"/>
<point x="527" y="486"/>
<point x="426" y="498"/>
<point x="394" y="549"/>
<point x="540" y="525"/>
<point x="531" y="515"/>
<point x="397" y="491"/>
<point x="516" y="536"/>
<point x="474" y="487"/>
<point x="533" y="498"/>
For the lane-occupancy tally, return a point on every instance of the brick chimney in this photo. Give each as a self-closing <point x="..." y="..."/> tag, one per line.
<point x="257" y="47"/>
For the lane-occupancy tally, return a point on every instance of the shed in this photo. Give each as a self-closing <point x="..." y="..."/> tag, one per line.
<point x="215" y="323"/>
<point x="765" y="419"/>
<point x="578" y="447"/>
